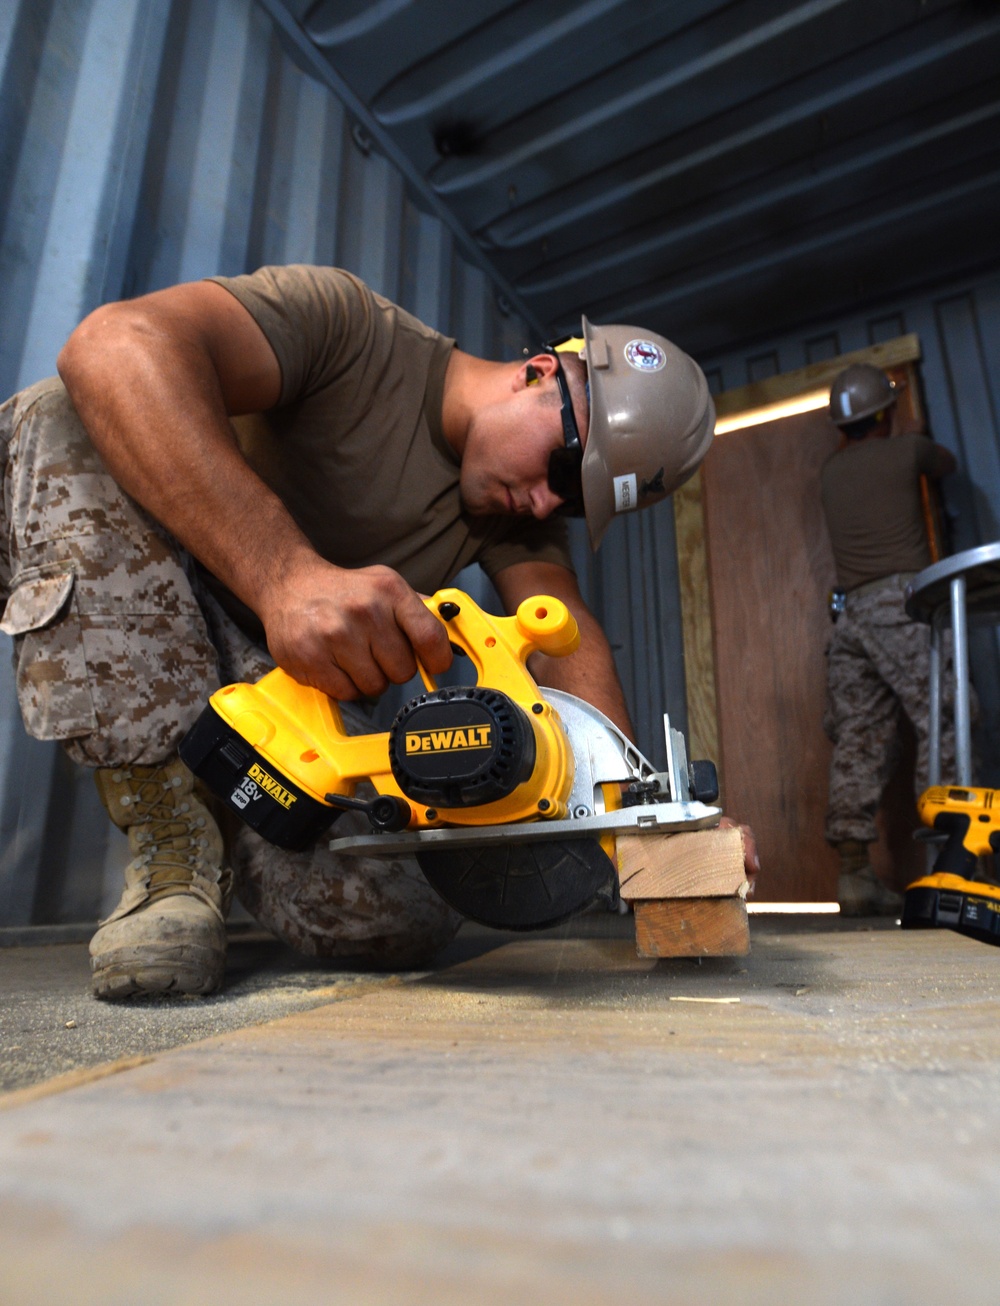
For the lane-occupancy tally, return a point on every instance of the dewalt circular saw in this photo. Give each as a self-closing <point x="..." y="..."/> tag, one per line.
<point x="508" y="795"/>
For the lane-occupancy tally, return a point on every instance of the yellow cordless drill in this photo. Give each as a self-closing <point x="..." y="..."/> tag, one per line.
<point x="954" y="895"/>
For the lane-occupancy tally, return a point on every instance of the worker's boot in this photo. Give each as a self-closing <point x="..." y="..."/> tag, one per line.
<point x="168" y="933"/>
<point x="859" y="890"/>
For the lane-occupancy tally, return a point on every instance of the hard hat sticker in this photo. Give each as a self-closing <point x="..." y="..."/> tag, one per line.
<point x="626" y="495"/>
<point x="845" y="403"/>
<point x="644" y="356"/>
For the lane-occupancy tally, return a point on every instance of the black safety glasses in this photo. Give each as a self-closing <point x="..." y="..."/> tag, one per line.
<point x="565" y="463"/>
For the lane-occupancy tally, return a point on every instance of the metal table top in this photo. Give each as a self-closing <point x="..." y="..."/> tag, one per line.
<point x="930" y="590"/>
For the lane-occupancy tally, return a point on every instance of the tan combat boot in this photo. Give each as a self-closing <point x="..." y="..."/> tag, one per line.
<point x="168" y="933"/>
<point x="859" y="890"/>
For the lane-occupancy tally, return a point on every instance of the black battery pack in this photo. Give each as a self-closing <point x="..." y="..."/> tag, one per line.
<point x="928" y="907"/>
<point x="251" y="786"/>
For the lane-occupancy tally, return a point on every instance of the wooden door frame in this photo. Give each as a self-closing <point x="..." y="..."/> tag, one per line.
<point x="689" y="524"/>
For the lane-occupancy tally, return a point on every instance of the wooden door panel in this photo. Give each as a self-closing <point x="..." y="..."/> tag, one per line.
<point x="771" y="569"/>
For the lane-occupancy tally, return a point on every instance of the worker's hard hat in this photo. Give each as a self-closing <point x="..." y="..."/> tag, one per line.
<point x="651" y="421"/>
<point x="860" y="391"/>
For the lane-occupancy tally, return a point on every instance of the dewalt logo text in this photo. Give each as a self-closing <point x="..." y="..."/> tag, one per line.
<point x="268" y="783"/>
<point x="448" y="741"/>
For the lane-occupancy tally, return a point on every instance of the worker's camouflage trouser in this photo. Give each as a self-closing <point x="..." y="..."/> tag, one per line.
<point x="116" y="649"/>
<point x="878" y="667"/>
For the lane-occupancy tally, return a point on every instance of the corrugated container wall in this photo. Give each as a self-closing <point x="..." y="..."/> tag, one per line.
<point x="145" y="142"/>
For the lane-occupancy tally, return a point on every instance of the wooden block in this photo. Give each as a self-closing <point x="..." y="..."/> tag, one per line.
<point x="692" y="927"/>
<point x="694" y="864"/>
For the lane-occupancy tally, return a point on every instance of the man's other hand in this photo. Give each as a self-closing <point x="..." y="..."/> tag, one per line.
<point x="352" y="633"/>
<point x="751" y="858"/>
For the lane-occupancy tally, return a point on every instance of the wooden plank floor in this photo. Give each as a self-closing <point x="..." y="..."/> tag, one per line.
<point x="556" y="1121"/>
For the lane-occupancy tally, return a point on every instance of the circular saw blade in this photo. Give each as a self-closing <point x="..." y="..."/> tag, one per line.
<point x="523" y="886"/>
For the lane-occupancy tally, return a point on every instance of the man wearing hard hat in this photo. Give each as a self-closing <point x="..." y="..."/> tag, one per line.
<point x="878" y="660"/>
<point x="272" y="468"/>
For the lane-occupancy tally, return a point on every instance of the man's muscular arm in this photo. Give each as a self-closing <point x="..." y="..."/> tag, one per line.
<point x="155" y="381"/>
<point x="590" y="672"/>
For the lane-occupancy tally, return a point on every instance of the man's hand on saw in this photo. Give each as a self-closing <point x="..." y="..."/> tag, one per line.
<point x="352" y="633"/>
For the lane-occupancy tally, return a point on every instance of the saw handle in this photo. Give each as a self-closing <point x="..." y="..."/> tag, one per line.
<point x="542" y="624"/>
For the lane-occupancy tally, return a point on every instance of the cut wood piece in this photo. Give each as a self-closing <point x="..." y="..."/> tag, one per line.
<point x="695" y="864"/>
<point x="692" y="927"/>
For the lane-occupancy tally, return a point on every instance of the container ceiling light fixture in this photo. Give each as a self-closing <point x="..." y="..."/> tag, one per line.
<point x="793" y="908"/>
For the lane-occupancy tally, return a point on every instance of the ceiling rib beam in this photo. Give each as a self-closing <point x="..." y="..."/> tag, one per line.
<point x="580" y="269"/>
<point x="499" y="64"/>
<point x="350" y="29"/>
<point x="509" y="232"/>
<point x="740" y="271"/>
<point x="744" y="44"/>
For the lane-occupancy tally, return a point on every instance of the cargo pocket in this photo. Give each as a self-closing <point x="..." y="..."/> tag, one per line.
<point x="53" y="687"/>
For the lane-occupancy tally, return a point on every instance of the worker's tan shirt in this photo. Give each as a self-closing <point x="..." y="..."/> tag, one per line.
<point x="871" y="499"/>
<point x="355" y="448"/>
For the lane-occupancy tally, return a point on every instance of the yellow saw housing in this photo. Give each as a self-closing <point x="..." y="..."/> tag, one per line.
<point x="278" y="749"/>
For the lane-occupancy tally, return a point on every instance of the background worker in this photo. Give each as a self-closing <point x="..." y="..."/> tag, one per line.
<point x="155" y="548"/>
<point x="878" y="659"/>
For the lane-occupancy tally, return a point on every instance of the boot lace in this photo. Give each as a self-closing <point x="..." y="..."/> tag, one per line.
<point x="167" y="831"/>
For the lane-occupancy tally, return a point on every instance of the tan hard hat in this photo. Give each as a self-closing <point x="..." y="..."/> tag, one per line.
<point x="860" y="391"/>
<point x="651" y="421"/>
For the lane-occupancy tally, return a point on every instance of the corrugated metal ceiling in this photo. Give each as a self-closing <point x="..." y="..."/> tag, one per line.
<point x="718" y="171"/>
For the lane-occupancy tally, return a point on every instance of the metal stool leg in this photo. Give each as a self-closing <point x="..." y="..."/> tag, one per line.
<point x="934" y="725"/>
<point x="963" y="727"/>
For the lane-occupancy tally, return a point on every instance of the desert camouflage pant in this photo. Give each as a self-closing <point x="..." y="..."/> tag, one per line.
<point x="878" y="667"/>
<point x="116" y="649"/>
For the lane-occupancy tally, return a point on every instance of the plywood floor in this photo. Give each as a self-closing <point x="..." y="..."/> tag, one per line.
<point x="550" y="1121"/>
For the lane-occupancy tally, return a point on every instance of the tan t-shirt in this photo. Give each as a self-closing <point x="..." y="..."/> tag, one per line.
<point x="355" y="448"/>
<point x="871" y="498"/>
